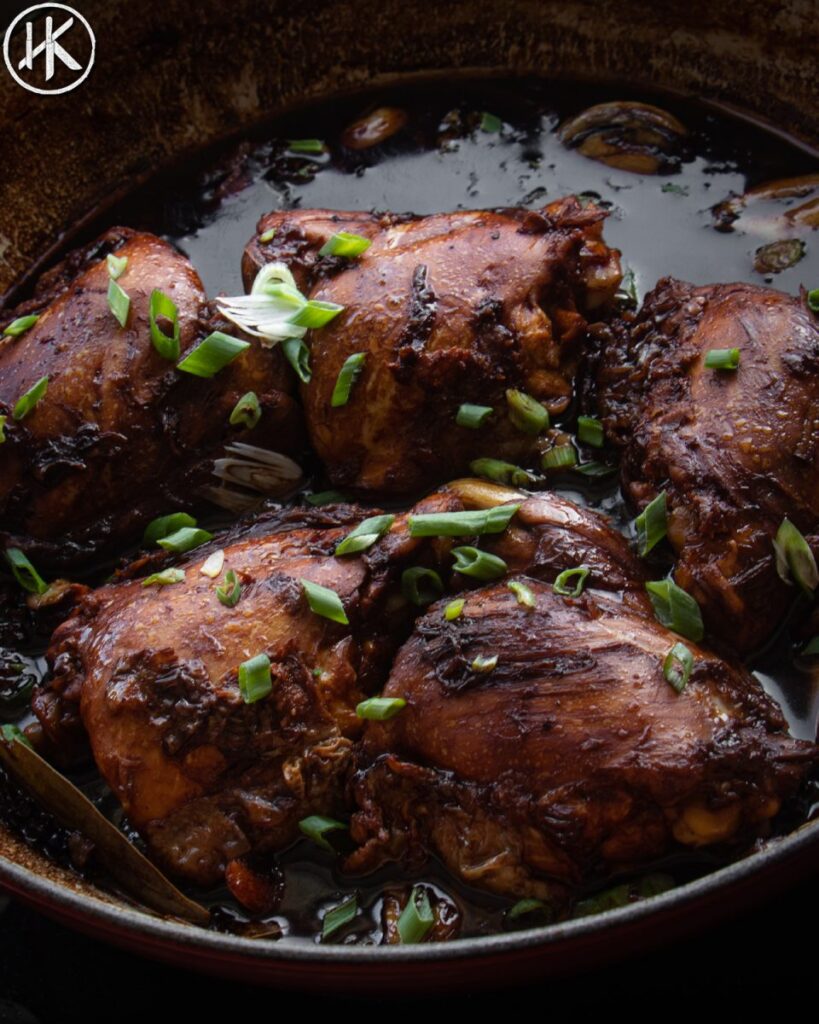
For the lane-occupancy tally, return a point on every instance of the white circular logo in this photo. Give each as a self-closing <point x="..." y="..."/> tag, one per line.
<point x="49" y="43"/>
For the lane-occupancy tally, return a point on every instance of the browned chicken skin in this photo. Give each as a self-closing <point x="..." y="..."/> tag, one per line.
<point x="449" y="309"/>
<point x="120" y="435"/>
<point x="572" y="758"/>
<point x="735" y="452"/>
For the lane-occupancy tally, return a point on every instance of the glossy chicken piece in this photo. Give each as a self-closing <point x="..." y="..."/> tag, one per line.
<point x="573" y="758"/>
<point x="735" y="452"/>
<point x="204" y="776"/>
<point x="448" y="309"/>
<point x="120" y="435"/>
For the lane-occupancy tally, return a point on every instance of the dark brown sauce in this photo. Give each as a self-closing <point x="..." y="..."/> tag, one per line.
<point x="442" y="160"/>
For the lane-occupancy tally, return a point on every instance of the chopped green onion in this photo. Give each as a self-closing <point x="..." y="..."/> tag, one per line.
<point x="652" y="524"/>
<point x="24" y="572"/>
<point x="813" y="300"/>
<point x="480" y="565"/>
<point x="559" y="457"/>
<point x="365" y="535"/>
<point x="3" y="420"/>
<point x="212" y="355"/>
<point x="484" y="663"/>
<point x="523" y="594"/>
<point x="119" y="302"/>
<point x="416" y="918"/>
<point x="453" y="609"/>
<point x="255" y="681"/>
<point x="473" y="416"/>
<point x="590" y="431"/>
<point x="490" y="122"/>
<point x="305" y="146"/>
<point x="561" y="584"/>
<point x="116" y="265"/>
<point x="25" y="403"/>
<point x="297" y="353"/>
<point x="13" y="733"/>
<point x="462" y="524"/>
<point x="338" y="916"/>
<point x="164" y="578"/>
<point x="347" y="376"/>
<point x="421" y="586"/>
<point x="345" y="244"/>
<point x="595" y="469"/>
<point x="185" y="539"/>
<point x="247" y="411"/>
<point x="212" y="565"/>
<point x="161" y="305"/>
<point x="678" y="666"/>
<point x="267" y="236"/>
<point x="676" y="609"/>
<point x="526" y="413"/>
<point x="527" y="906"/>
<point x="230" y="591"/>
<point x="20" y="325"/>
<point x="626" y="294"/>
<point x="314" y="314"/>
<point x="380" y="709"/>
<point x="324" y="498"/>
<point x="316" y="827"/>
<point x="165" y="525"/>
<point x="325" y="602"/>
<point x="722" y="359"/>
<point x="811" y="647"/>
<point x="501" y="472"/>
<point x="794" y="558"/>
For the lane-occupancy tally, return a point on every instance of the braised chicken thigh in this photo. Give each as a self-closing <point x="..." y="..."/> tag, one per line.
<point x="469" y="308"/>
<point x="119" y="433"/>
<point x="735" y="450"/>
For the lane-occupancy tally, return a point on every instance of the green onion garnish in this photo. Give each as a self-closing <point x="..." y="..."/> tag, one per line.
<point x="305" y="146"/>
<point x="316" y="827"/>
<point x="20" y="325"/>
<point x="165" y="525"/>
<point x="25" y="403"/>
<point x="416" y="918"/>
<point x="325" y="602"/>
<point x="527" y="906"/>
<point x="490" y="122"/>
<point x="421" y="586"/>
<point x="247" y="411"/>
<point x="595" y="469"/>
<point x="324" y="498"/>
<point x="501" y="472"/>
<point x="3" y="420"/>
<point x="453" y="609"/>
<point x="526" y="413"/>
<point x="119" y="302"/>
<point x="353" y="365"/>
<point x="652" y="524"/>
<point x="480" y="565"/>
<point x="297" y="353"/>
<point x="813" y="300"/>
<point x="167" y="345"/>
<point x="559" y="457"/>
<point x="255" y="681"/>
<point x="811" y="647"/>
<point x="462" y="524"/>
<point x="678" y="666"/>
<point x="523" y="594"/>
<point x="365" y="535"/>
<point x="314" y="314"/>
<point x="473" y="416"/>
<point x="24" y="572"/>
<point x="230" y="591"/>
<point x="794" y="558"/>
<point x="561" y="584"/>
<point x="185" y="539"/>
<point x="722" y="359"/>
<point x="212" y="355"/>
<point x="11" y="733"/>
<point x="267" y="236"/>
<point x="116" y="265"/>
<point x="338" y="916"/>
<point x="345" y="244"/>
<point x="164" y="578"/>
<point x="380" y="709"/>
<point x="676" y="609"/>
<point x="484" y="663"/>
<point x="590" y="431"/>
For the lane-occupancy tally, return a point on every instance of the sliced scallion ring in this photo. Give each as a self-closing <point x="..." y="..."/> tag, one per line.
<point x="523" y="594"/>
<point x="794" y="559"/>
<point x="117" y="265"/>
<point x="212" y="354"/>
<point x="473" y="416"/>
<point x="161" y="305"/>
<point x="3" y="421"/>
<point x="380" y="709"/>
<point x="813" y="300"/>
<point x="297" y="353"/>
<point x="315" y="313"/>
<point x="722" y="359"/>
<point x="316" y="827"/>
<point x="20" y="325"/>
<point x="590" y="431"/>
<point x="417" y="918"/>
<point x="26" y="402"/>
<point x="324" y="498"/>
<point x="421" y="586"/>
<point x="306" y="146"/>
<point x="595" y="470"/>
<point x="325" y="602"/>
<point x="267" y="236"/>
<point x="490" y="122"/>
<point x="562" y="585"/>
<point x="365" y="535"/>
<point x="212" y="566"/>
<point x="484" y="663"/>
<point x="230" y="591"/>
<point x="185" y="539"/>
<point x="501" y="472"/>
<point x="454" y="609"/>
<point x="479" y="565"/>
<point x="338" y="916"/>
<point x="164" y="578"/>
<point x="678" y="666"/>
<point x="562" y="456"/>
<point x="473" y="523"/>
<point x="24" y="572"/>
<point x="119" y="302"/>
<point x="676" y="609"/>
<point x="526" y="413"/>
<point x="527" y="906"/>
<point x="652" y="524"/>
<point x="344" y="243"/>
<point x="811" y="648"/>
<point x="165" y="525"/>
<point x="255" y="681"/>
<point x="247" y="412"/>
<point x="348" y="374"/>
